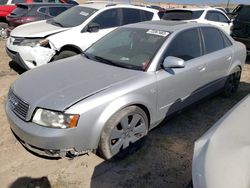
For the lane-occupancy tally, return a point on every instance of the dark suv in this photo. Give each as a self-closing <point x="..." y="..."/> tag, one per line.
<point x="25" y="13"/>
<point x="241" y="25"/>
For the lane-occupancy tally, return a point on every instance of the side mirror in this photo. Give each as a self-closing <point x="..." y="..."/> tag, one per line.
<point x="93" y="27"/>
<point x="173" y="62"/>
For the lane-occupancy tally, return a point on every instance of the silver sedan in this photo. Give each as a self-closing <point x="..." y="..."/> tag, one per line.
<point x="122" y="86"/>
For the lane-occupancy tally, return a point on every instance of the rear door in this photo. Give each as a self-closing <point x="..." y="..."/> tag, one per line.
<point x="218" y="55"/>
<point x="178" y="86"/>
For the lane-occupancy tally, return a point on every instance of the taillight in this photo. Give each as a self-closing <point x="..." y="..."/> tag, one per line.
<point x="24" y="19"/>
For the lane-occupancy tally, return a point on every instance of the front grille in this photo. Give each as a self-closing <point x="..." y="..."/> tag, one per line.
<point x="18" y="106"/>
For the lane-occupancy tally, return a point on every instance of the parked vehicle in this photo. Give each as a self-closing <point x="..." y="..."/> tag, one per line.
<point x="121" y="87"/>
<point x="79" y="27"/>
<point x="7" y="6"/>
<point x="211" y="16"/>
<point x="221" y="155"/>
<point x="25" y="13"/>
<point x="241" y="25"/>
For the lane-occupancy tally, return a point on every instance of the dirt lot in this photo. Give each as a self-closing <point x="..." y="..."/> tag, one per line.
<point x="164" y="161"/>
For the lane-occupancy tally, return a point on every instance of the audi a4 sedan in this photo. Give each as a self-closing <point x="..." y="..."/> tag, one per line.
<point x="110" y="96"/>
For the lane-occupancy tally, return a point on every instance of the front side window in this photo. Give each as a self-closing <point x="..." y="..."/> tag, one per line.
<point x="131" y="16"/>
<point x="3" y="2"/>
<point x="108" y="19"/>
<point x="73" y="16"/>
<point x="186" y="45"/>
<point x="131" y="48"/>
<point x="213" y="39"/>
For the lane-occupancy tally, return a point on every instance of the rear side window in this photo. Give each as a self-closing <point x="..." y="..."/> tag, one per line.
<point x="181" y="15"/>
<point x="54" y="11"/>
<point x="147" y="15"/>
<point x="227" y="41"/>
<point x="107" y="19"/>
<point x="42" y="10"/>
<point x="213" y="39"/>
<point x="37" y="1"/>
<point x="244" y="14"/>
<point x="185" y="45"/>
<point x="19" y="11"/>
<point x="18" y="1"/>
<point x="131" y="16"/>
<point x="216" y="17"/>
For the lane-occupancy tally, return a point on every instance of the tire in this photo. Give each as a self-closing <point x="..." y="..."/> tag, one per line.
<point x="232" y="84"/>
<point x="123" y="133"/>
<point x="64" y="54"/>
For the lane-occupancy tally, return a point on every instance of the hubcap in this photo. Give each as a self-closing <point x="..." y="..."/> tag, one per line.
<point x="129" y="130"/>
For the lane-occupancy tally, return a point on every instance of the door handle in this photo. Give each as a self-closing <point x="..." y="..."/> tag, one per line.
<point x="202" y="68"/>
<point x="228" y="58"/>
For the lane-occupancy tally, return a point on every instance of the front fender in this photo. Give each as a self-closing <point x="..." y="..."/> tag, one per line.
<point x="116" y="106"/>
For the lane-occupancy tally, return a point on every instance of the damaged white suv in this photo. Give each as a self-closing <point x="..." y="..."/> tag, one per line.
<point x="71" y="32"/>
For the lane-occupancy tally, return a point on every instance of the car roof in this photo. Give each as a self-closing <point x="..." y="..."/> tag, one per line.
<point x="195" y="9"/>
<point x="102" y="5"/>
<point x="166" y="25"/>
<point x="44" y="4"/>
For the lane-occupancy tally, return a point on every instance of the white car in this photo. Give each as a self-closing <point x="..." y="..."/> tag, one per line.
<point x="208" y="15"/>
<point x="71" y="32"/>
<point x="221" y="155"/>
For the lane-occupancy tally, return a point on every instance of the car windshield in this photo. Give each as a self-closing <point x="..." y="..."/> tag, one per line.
<point x="3" y="2"/>
<point x="182" y="15"/>
<point x="244" y="14"/>
<point x="73" y="16"/>
<point x="131" y="48"/>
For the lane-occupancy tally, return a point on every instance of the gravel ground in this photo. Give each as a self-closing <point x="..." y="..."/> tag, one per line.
<point x="164" y="161"/>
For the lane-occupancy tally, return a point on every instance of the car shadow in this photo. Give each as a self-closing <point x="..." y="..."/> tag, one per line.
<point x="17" y="68"/>
<point x="165" y="159"/>
<point x="28" y="182"/>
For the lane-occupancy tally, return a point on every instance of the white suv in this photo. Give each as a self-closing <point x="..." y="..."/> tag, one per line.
<point x="71" y="32"/>
<point x="207" y="15"/>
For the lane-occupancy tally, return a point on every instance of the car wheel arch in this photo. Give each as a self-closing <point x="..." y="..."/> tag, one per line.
<point x="70" y="47"/>
<point x="108" y="112"/>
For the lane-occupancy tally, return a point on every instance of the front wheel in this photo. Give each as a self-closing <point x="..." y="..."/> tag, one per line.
<point x="123" y="132"/>
<point x="232" y="84"/>
<point x="64" y="54"/>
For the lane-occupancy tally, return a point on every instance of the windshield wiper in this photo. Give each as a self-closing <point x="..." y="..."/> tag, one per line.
<point x="57" y="23"/>
<point x="107" y="61"/>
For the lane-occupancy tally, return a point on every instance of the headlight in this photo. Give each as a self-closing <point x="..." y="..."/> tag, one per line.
<point x="55" y="119"/>
<point x="34" y="42"/>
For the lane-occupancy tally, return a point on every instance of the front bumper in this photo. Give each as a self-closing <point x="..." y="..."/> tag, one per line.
<point x="15" y="56"/>
<point x="26" y="56"/>
<point x="46" y="141"/>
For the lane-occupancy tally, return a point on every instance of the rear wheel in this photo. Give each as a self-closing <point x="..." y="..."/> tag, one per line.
<point x="64" y="54"/>
<point x="232" y="84"/>
<point x="123" y="133"/>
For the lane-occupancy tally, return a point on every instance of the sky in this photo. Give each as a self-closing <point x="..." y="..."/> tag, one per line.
<point x="203" y="1"/>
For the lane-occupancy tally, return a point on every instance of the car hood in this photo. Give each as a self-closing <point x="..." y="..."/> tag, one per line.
<point x="36" y="29"/>
<point x="63" y="83"/>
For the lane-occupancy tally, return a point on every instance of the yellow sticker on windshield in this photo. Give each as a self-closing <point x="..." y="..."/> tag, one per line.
<point x="158" y="32"/>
